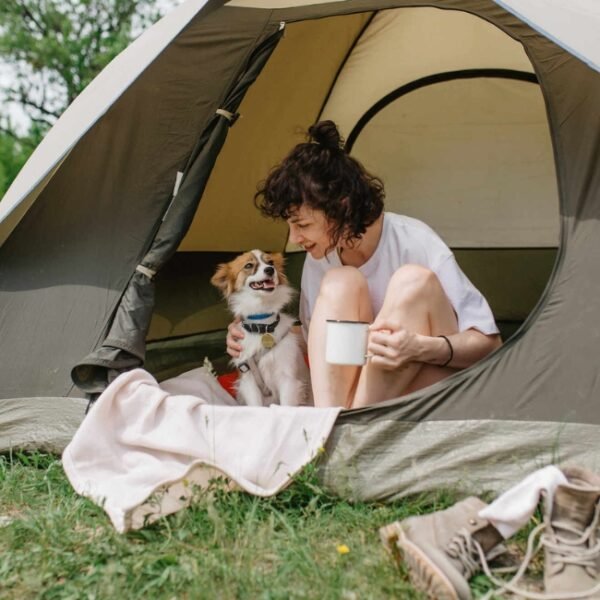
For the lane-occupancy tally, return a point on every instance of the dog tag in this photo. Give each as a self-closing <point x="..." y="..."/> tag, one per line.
<point x="267" y="340"/>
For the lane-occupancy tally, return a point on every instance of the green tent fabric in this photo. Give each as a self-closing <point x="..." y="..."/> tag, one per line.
<point x="481" y="118"/>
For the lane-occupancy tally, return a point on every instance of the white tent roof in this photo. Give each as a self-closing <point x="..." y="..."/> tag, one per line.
<point x="572" y="24"/>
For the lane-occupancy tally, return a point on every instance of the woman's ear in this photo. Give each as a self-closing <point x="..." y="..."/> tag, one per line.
<point x="222" y="280"/>
<point x="279" y="263"/>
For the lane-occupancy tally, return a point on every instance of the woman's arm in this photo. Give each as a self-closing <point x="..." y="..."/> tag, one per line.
<point x="468" y="347"/>
<point x="393" y="348"/>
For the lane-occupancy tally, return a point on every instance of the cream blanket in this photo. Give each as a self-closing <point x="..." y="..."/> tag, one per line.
<point x="144" y="448"/>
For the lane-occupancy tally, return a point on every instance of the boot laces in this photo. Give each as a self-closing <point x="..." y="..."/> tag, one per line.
<point x="564" y="551"/>
<point x="463" y="549"/>
<point x="582" y="550"/>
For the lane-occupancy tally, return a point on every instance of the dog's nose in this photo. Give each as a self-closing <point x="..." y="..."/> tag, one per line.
<point x="269" y="271"/>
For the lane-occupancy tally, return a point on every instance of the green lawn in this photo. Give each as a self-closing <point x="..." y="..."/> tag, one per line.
<point x="55" y="544"/>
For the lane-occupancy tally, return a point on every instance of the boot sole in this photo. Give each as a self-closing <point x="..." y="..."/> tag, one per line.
<point x="424" y="575"/>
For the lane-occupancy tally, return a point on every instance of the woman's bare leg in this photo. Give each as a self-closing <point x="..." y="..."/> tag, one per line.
<point x="344" y="295"/>
<point x="416" y="301"/>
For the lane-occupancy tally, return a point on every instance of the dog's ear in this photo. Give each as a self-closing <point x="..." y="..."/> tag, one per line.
<point x="279" y="263"/>
<point x="221" y="279"/>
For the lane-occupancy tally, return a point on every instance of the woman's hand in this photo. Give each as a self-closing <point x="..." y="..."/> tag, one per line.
<point x="234" y="334"/>
<point x="391" y="346"/>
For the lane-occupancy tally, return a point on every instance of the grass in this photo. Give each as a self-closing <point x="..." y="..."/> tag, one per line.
<point x="226" y="545"/>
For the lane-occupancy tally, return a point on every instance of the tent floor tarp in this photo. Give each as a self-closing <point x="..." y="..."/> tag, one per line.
<point x="471" y="456"/>
<point x="42" y="424"/>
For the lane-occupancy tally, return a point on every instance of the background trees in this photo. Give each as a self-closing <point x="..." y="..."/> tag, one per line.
<point x="50" y="50"/>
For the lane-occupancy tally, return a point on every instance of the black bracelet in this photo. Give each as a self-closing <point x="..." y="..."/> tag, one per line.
<point x="451" y="351"/>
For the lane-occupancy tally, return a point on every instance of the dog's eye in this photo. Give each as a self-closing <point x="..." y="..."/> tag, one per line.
<point x="269" y="262"/>
<point x="248" y="265"/>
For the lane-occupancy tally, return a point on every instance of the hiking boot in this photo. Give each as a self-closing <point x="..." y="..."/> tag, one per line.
<point x="570" y="540"/>
<point x="441" y="549"/>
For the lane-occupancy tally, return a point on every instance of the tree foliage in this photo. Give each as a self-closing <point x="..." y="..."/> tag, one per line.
<point x="53" y="49"/>
<point x="56" y="47"/>
<point x="13" y="154"/>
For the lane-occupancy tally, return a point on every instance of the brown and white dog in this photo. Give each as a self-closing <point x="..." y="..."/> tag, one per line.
<point x="271" y="364"/>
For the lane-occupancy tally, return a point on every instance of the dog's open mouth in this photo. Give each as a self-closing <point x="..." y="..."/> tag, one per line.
<point x="266" y="285"/>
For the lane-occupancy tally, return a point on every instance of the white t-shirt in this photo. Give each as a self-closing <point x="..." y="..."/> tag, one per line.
<point x="404" y="241"/>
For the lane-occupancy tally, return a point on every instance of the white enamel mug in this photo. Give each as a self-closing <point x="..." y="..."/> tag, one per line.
<point x="346" y="342"/>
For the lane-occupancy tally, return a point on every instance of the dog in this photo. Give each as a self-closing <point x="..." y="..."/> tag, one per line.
<point x="271" y="364"/>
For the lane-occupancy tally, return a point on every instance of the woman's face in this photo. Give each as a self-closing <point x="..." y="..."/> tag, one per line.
<point x="309" y="228"/>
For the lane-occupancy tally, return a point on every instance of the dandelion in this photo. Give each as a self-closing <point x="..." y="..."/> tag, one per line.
<point x="343" y="549"/>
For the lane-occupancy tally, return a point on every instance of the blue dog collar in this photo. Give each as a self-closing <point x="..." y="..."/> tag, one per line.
<point x="259" y="317"/>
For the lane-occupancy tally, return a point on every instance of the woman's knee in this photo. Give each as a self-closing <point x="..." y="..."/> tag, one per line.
<point x="341" y="281"/>
<point x="414" y="280"/>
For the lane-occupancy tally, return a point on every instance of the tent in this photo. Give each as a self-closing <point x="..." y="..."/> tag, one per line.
<point x="482" y="118"/>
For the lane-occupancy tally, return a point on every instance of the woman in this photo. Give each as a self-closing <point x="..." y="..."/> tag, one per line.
<point x="428" y="320"/>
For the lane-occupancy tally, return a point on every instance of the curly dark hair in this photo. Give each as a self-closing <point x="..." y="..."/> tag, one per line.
<point x="322" y="175"/>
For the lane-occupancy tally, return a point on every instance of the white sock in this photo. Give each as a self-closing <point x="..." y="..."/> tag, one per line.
<point x="513" y="509"/>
